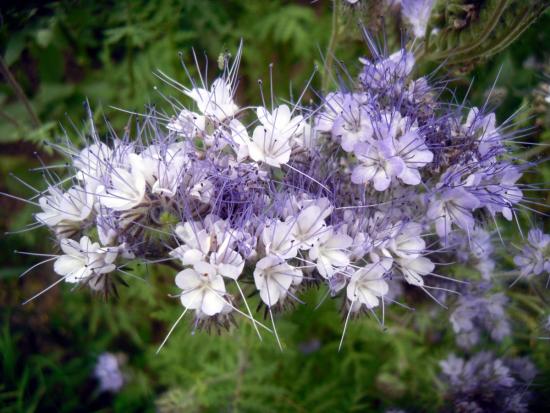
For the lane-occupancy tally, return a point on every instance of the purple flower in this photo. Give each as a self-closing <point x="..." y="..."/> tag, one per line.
<point x="393" y="150"/>
<point x="387" y="74"/>
<point x="476" y="314"/>
<point x="485" y="383"/>
<point x="107" y="372"/>
<point x="534" y="257"/>
<point x="452" y="206"/>
<point x="476" y="248"/>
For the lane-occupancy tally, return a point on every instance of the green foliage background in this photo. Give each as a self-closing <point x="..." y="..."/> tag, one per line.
<point x="62" y="53"/>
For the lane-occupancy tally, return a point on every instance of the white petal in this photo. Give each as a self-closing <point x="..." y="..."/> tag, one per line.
<point x="212" y="303"/>
<point x="78" y="276"/>
<point x="378" y="287"/>
<point x="410" y="176"/>
<point x="71" y="247"/>
<point x="192" y="299"/>
<point x="421" y="265"/>
<point x="188" y="279"/>
<point x="67" y="264"/>
<point x="363" y="174"/>
<point x="381" y="180"/>
<point x="191" y="257"/>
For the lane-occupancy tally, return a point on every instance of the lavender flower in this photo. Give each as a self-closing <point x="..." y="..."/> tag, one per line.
<point x="475" y="248"/>
<point x="107" y="372"/>
<point x="485" y="383"/>
<point x="476" y="314"/>
<point x="534" y="257"/>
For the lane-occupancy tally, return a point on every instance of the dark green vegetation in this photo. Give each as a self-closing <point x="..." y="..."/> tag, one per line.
<point x="57" y="55"/>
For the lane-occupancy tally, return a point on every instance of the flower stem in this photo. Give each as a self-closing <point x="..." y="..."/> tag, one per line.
<point x="19" y="92"/>
<point x="331" y="49"/>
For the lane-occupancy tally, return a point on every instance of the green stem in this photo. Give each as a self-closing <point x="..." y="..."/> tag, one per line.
<point x="331" y="49"/>
<point x="19" y="92"/>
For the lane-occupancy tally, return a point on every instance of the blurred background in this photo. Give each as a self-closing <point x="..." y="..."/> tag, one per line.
<point x="55" y="55"/>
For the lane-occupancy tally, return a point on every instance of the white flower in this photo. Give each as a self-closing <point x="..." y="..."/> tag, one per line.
<point x="354" y="123"/>
<point x="224" y="237"/>
<point x="161" y="169"/>
<point x="366" y="285"/>
<point x="267" y="147"/>
<point x="228" y="263"/>
<point x="85" y="261"/>
<point x="146" y="163"/>
<point x="333" y="107"/>
<point x="203" y="288"/>
<point x="217" y="103"/>
<point x="196" y="243"/>
<point x="92" y="163"/>
<point x="273" y="277"/>
<point x="169" y="177"/>
<point x="278" y="239"/>
<point x="414" y="269"/>
<point x="127" y="190"/>
<point x="330" y="252"/>
<point x="417" y="13"/>
<point x="280" y="122"/>
<point x="240" y="138"/>
<point x="187" y="123"/>
<point x="407" y="243"/>
<point x="271" y="141"/>
<point x="453" y="206"/>
<point x="67" y="208"/>
<point x="106" y="231"/>
<point x="310" y="225"/>
<point x="501" y="197"/>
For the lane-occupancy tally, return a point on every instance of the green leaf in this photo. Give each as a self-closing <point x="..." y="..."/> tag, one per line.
<point x="14" y="48"/>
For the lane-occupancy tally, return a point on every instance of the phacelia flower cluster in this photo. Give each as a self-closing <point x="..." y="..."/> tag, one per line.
<point x="477" y="314"/>
<point x="369" y="191"/>
<point x="485" y="383"/>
